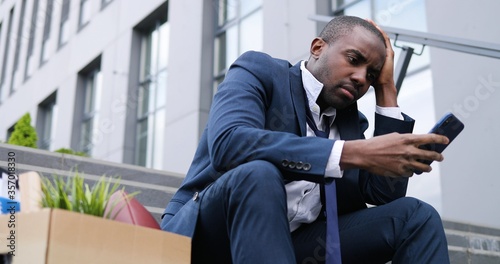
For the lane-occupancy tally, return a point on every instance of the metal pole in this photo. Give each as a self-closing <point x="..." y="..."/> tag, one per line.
<point x="402" y="66"/>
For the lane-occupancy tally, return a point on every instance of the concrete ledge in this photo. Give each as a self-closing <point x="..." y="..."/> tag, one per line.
<point x="472" y="243"/>
<point x="156" y="187"/>
<point x="471" y="228"/>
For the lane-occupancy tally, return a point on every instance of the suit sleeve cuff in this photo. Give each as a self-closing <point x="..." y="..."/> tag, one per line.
<point x="385" y="125"/>
<point x="333" y="166"/>
<point x="393" y="112"/>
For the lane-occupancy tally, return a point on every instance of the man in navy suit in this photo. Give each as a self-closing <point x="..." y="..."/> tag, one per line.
<point x="253" y="191"/>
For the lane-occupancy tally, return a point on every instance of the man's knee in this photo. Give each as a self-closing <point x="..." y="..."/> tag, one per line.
<point x="419" y="207"/>
<point x="422" y="214"/>
<point x="258" y="178"/>
<point x="258" y="171"/>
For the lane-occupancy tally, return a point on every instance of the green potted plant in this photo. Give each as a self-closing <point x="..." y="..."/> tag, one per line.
<point x="103" y="199"/>
<point x="75" y="195"/>
<point x="24" y="134"/>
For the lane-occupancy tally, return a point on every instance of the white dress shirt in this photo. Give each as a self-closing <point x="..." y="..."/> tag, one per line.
<point x="303" y="197"/>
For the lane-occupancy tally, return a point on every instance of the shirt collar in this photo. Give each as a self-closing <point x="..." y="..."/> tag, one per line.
<point x="313" y="88"/>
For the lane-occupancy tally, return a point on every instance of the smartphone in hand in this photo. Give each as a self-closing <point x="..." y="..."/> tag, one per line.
<point x="450" y="126"/>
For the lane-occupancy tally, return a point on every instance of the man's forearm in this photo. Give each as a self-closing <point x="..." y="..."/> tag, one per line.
<point x="386" y="96"/>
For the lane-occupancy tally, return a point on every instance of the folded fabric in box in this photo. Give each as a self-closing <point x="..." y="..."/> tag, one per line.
<point x="9" y="192"/>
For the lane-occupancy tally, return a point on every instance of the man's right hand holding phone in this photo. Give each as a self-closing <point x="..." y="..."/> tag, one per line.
<point x="396" y="155"/>
<point x="392" y="155"/>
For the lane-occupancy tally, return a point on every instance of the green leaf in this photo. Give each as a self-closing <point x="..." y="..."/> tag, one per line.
<point x="24" y="133"/>
<point x="76" y="195"/>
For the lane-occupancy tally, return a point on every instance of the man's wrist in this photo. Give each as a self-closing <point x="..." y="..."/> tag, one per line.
<point x="352" y="155"/>
<point x="386" y="96"/>
<point x="333" y="166"/>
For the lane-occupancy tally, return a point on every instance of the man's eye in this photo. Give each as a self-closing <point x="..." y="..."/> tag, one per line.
<point x="371" y="77"/>
<point x="352" y="59"/>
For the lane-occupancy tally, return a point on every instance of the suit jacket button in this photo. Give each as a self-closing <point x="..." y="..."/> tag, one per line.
<point x="291" y="165"/>
<point x="307" y="166"/>
<point x="195" y="196"/>
<point x="284" y="162"/>
<point x="299" y="165"/>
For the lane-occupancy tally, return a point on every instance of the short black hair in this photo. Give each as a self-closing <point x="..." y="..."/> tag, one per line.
<point x="342" y="25"/>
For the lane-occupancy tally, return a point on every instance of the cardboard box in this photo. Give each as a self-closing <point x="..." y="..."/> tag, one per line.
<point x="57" y="236"/>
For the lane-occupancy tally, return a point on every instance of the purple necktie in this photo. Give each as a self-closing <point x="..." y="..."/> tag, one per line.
<point x="332" y="226"/>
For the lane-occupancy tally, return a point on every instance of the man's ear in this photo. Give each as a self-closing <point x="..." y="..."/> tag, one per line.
<point x="317" y="46"/>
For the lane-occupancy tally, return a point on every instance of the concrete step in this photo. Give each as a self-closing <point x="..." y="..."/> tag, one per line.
<point x="155" y="187"/>
<point x="471" y="244"/>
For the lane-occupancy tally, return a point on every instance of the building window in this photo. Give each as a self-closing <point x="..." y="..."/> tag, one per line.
<point x="63" y="24"/>
<point x="92" y="85"/>
<point x="29" y="66"/>
<point x="17" y="48"/>
<point x="84" y="18"/>
<point x="46" y="33"/>
<point x="152" y="95"/>
<point x="9" y="132"/>
<point x="6" y="54"/>
<point x="398" y="14"/>
<point x="105" y="3"/>
<point x="46" y="121"/>
<point x="338" y="6"/>
<point x="239" y="29"/>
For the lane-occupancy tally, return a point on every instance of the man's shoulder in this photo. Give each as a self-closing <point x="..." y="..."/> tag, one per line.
<point x="261" y="58"/>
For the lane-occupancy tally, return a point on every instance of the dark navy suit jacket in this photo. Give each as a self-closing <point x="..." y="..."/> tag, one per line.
<point x="258" y="113"/>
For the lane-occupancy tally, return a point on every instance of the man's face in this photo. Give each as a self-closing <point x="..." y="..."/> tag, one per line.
<point x="347" y="67"/>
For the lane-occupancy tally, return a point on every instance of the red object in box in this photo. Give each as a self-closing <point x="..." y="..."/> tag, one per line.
<point x="129" y="210"/>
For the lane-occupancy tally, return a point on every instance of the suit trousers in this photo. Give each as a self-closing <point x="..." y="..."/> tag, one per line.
<point x="243" y="219"/>
<point x="406" y="230"/>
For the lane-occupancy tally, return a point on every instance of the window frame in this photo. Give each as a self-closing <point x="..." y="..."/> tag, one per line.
<point x="31" y="42"/>
<point x="82" y="24"/>
<point x="10" y="130"/>
<point x="105" y="3"/>
<point x="92" y="87"/>
<point x="64" y="23"/>
<point x="46" y="32"/>
<point x="17" y="51"/>
<point x="46" y="110"/>
<point x="222" y="28"/>
<point x="6" y="53"/>
<point x="149" y="109"/>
